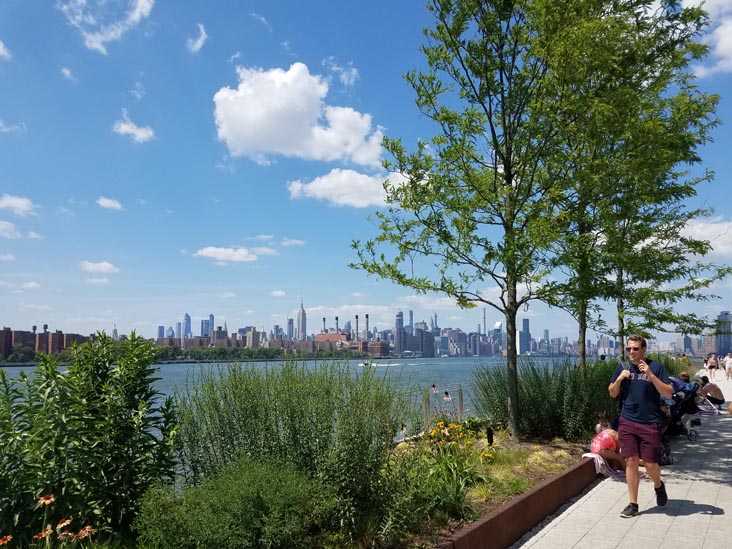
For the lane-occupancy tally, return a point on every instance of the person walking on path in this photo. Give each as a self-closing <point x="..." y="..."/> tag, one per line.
<point x="712" y="365"/>
<point x="728" y="365"/>
<point x="641" y="417"/>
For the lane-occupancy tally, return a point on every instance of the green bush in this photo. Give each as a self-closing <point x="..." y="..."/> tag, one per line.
<point x="555" y="400"/>
<point x="95" y="437"/>
<point x="248" y="504"/>
<point x="328" y="422"/>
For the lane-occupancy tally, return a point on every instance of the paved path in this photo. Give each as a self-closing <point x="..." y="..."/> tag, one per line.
<point x="699" y="510"/>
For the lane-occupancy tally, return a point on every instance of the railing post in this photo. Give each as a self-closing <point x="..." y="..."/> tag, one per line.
<point x="426" y="410"/>
<point x="460" y="403"/>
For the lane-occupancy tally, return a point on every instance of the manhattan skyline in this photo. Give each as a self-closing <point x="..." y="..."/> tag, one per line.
<point x="165" y="158"/>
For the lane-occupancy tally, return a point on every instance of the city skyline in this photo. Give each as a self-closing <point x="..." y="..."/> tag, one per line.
<point x="221" y="158"/>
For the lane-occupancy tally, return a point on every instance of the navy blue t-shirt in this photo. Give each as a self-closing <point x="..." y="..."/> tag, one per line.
<point x="643" y="403"/>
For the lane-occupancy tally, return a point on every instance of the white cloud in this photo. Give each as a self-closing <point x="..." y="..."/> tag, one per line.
<point x="358" y="294"/>
<point x="19" y="205"/>
<point x="278" y="112"/>
<point x="715" y="230"/>
<point x="264" y="250"/>
<point x="287" y="242"/>
<point x="262" y="20"/>
<point x="103" y="21"/>
<point x="8" y="230"/>
<point x="97" y="280"/>
<point x="68" y="75"/>
<point x="342" y="188"/>
<point x="4" y="128"/>
<point x="264" y="237"/>
<point x="35" y="236"/>
<point x="226" y="295"/>
<point x="138" y="90"/>
<point x="139" y="134"/>
<point x="109" y="203"/>
<point x="348" y="75"/>
<point x="224" y="255"/>
<point x="5" y="54"/>
<point x="101" y="267"/>
<point x="194" y="45"/>
<point x="32" y="307"/>
<point x="277" y="293"/>
<point x="7" y="257"/>
<point x="718" y="37"/>
<point x="32" y="285"/>
<point x="234" y="57"/>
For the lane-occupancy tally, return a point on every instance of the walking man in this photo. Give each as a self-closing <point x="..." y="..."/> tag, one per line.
<point x="639" y="427"/>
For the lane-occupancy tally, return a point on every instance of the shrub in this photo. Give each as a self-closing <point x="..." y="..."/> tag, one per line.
<point x="555" y="400"/>
<point x="247" y="504"/>
<point x="95" y="437"/>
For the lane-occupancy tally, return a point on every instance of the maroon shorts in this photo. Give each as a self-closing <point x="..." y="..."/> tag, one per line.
<point x="639" y="439"/>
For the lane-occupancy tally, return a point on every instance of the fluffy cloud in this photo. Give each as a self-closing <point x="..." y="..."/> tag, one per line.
<point x="109" y="203"/>
<point x="101" y="267"/>
<point x="4" y="128"/>
<point x="194" y="45"/>
<point x="97" y="280"/>
<point x="278" y="112"/>
<point x="715" y="230"/>
<point x="19" y="205"/>
<point x="264" y="250"/>
<point x="68" y="75"/>
<point x="139" y="134"/>
<point x="234" y="255"/>
<point x="348" y="75"/>
<point x="32" y="285"/>
<point x="278" y="293"/>
<point x="35" y="236"/>
<point x="7" y="257"/>
<point x="718" y="38"/>
<point x="342" y="188"/>
<point x="8" y="230"/>
<point x="4" y="52"/>
<point x="103" y="21"/>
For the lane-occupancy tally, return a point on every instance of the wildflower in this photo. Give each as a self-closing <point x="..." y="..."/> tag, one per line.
<point x="84" y="532"/>
<point x="43" y="534"/>
<point x="46" y="500"/>
<point x="63" y="536"/>
<point x="62" y="523"/>
<point x="5" y="540"/>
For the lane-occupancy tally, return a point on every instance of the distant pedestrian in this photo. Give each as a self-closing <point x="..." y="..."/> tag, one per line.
<point x="602" y="358"/>
<point x="728" y="365"/>
<point x="641" y="418"/>
<point x="434" y="388"/>
<point x="712" y="365"/>
<point x="446" y="397"/>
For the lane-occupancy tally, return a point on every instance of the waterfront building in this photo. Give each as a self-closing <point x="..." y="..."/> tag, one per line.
<point x="525" y="338"/>
<point x="205" y="328"/>
<point x="187" y="330"/>
<point x="170" y="332"/>
<point x="724" y="333"/>
<point x="399" y="334"/>
<point x="290" y="329"/>
<point x="161" y="332"/>
<point x="210" y="325"/>
<point x="178" y="329"/>
<point x="6" y="342"/>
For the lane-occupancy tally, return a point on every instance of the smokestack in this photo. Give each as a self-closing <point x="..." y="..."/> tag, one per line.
<point x="324" y="325"/>
<point x="356" y="327"/>
<point x="367" y="326"/>
<point x="337" y="330"/>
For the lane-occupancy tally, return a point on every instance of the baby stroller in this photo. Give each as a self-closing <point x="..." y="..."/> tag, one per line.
<point x="682" y="409"/>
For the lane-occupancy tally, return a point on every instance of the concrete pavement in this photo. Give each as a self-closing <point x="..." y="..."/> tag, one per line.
<point x="698" y="514"/>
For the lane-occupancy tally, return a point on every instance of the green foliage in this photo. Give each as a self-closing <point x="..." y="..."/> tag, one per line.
<point x="95" y="437"/>
<point x="248" y="504"/>
<point x="329" y="423"/>
<point x="555" y="400"/>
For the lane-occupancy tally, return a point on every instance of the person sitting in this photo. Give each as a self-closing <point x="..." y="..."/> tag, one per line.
<point x="607" y="445"/>
<point x="603" y="421"/>
<point x="711" y="391"/>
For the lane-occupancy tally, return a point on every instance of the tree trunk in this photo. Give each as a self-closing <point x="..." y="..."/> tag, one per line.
<point x="512" y="364"/>
<point x="621" y="315"/>
<point x="582" y="321"/>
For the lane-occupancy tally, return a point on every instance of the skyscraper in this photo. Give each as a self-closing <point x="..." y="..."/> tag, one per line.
<point x="205" y="328"/>
<point x="724" y="333"/>
<point x="211" y="325"/>
<point x="161" y="332"/>
<point x="302" y="323"/>
<point x="525" y="338"/>
<point x="290" y="329"/>
<point x="399" y="334"/>
<point x="187" y="330"/>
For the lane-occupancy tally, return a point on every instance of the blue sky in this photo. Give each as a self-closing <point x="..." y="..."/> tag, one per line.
<point x="161" y="157"/>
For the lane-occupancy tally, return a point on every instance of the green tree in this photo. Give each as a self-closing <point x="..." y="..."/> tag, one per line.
<point x="626" y="134"/>
<point x="481" y="202"/>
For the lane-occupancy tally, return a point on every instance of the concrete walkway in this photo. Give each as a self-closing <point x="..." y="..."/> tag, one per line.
<point x="699" y="510"/>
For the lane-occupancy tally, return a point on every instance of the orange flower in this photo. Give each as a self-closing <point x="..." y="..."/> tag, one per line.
<point x="62" y="523"/>
<point x="85" y="532"/>
<point x="43" y="534"/>
<point x="5" y="540"/>
<point x="46" y="500"/>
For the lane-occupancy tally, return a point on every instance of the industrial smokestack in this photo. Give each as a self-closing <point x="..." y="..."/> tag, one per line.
<point x="367" y="326"/>
<point x="337" y="330"/>
<point x="356" y="327"/>
<point x="324" y="325"/>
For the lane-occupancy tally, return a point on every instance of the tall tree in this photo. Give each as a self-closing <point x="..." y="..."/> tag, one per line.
<point x="479" y="204"/>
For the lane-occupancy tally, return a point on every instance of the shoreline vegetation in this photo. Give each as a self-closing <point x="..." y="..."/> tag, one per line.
<point x="280" y="455"/>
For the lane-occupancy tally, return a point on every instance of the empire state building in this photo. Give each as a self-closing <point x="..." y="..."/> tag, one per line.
<point x="302" y="323"/>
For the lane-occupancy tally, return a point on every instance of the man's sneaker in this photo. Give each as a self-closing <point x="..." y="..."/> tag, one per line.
<point x="661" y="497"/>
<point x="630" y="511"/>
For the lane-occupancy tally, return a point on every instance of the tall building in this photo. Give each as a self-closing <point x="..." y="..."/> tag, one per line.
<point x="410" y="330"/>
<point x="724" y="333"/>
<point x="525" y="338"/>
<point x="161" y="332"/>
<point x="302" y="323"/>
<point x="187" y="330"/>
<point x="211" y="325"/>
<point x="399" y="334"/>
<point x="290" y="329"/>
<point x="178" y="329"/>
<point x="205" y="328"/>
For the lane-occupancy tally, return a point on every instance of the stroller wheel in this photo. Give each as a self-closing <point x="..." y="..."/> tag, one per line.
<point x="692" y="434"/>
